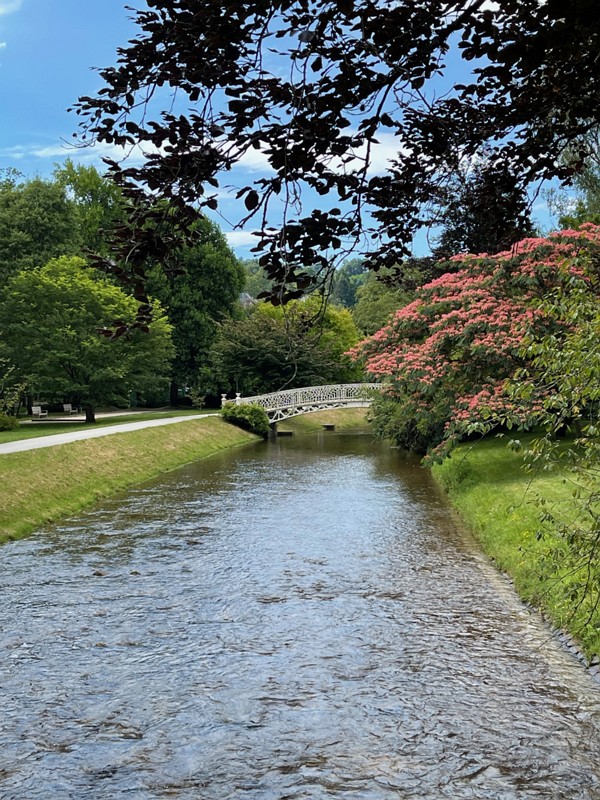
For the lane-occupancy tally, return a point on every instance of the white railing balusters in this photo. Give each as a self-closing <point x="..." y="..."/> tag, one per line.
<point x="290" y="403"/>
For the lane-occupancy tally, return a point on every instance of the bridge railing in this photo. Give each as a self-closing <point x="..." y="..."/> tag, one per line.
<point x="343" y="392"/>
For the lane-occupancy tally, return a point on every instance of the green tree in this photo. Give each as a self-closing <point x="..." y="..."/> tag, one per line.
<point x="390" y="289"/>
<point x="376" y="301"/>
<point x="347" y="280"/>
<point x="484" y="210"/>
<point x="273" y="348"/>
<point x="204" y="292"/>
<point x="584" y="206"/>
<point x="256" y="279"/>
<point x="11" y="389"/>
<point x="37" y="222"/>
<point x="55" y="322"/>
<point x="97" y="203"/>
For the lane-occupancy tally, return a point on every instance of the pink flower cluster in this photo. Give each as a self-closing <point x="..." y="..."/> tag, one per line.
<point x="462" y="337"/>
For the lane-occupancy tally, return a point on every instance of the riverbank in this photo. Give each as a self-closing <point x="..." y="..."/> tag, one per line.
<point x="42" y="486"/>
<point x="490" y="489"/>
<point x="342" y="419"/>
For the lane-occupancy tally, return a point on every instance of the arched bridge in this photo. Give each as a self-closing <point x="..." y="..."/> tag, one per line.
<point x="292" y="402"/>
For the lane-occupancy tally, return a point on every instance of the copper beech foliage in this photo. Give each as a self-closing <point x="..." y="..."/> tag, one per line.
<point x="310" y="85"/>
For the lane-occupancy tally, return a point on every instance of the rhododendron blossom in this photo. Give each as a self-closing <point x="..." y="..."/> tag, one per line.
<point x="449" y="353"/>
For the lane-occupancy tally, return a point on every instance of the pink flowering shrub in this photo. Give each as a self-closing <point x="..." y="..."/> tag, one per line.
<point x="447" y="356"/>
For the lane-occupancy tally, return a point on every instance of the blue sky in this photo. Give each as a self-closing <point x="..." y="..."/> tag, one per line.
<point x="48" y="49"/>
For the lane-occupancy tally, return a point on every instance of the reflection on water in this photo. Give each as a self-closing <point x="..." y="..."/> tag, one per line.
<point x="294" y="620"/>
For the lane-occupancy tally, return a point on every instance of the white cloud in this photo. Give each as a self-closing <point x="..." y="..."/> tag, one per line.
<point x="8" y="6"/>
<point x="12" y="152"/>
<point x="224" y="195"/>
<point x="382" y="153"/>
<point x="133" y="155"/>
<point x="255" y="161"/>
<point x="241" y="238"/>
<point x="2" y="45"/>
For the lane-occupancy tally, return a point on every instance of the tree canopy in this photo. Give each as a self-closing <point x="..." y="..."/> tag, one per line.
<point x="52" y="320"/>
<point x="483" y="212"/>
<point x="449" y="354"/>
<point x="37" y="222"/>
<point x="256" y="279"/>
<point x="585" y="206"/>
<point x="275" y="348"/>
<point x="376" y="301"/>
<point x="315" y="86"/>
<point x="72" y="213"/>
<point x="203" y="292"/>
<point x="346" y="282"/>
<point x="96" y="202"/>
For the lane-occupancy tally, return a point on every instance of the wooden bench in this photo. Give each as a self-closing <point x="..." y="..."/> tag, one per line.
<point x="37" y="412"/>
<point x="68" y="409"/>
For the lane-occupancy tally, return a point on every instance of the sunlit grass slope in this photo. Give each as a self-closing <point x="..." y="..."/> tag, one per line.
<point x="342" y="418"/>
<point x="40" y="486"/>
<point x="488" y="485"/>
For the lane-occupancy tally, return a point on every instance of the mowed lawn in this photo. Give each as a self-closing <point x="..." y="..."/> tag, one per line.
<point x="57" y="423"/>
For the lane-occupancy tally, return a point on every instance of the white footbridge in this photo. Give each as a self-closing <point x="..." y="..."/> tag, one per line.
<point x="293" y="402"/>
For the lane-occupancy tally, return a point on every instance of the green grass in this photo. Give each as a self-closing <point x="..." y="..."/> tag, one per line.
<point x="48" y="426"/>
<point x="342" y="418"/>
<point x="44" y="485"/>
<point x="499" y="500"/>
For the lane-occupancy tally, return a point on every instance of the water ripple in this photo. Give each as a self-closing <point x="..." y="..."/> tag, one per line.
<point x="296" y="621"/>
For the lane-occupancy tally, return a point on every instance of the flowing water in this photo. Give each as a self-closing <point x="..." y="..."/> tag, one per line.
<point x="302" y="619"/>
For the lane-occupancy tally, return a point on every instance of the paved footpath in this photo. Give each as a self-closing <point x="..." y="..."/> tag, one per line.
<point x="93" y="433"/>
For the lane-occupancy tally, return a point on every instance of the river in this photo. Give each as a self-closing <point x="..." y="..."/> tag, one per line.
<point x="299" y="619"/>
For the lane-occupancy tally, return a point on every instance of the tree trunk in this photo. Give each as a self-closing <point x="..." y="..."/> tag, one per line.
<point x="174" y="394"/>
<point x="90" y="413"/>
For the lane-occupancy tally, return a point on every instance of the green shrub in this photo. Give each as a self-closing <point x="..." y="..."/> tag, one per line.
<point x="8" y="423"/>
<point x="455" y="472"/>
<point x="197" y="396"/>
<point x="250" y="417"/>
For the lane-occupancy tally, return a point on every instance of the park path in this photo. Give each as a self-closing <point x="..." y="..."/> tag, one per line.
<point x="75" y="436"/>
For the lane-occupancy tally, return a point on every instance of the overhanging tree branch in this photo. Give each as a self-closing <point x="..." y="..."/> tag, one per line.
<point x="353" y="70"/>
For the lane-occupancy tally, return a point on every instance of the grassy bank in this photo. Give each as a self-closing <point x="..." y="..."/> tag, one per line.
<point x="48" y="426"/>
<point x="342" y="418"/>
<point x="487" y="484"/>
<point x="40" y="486"/>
